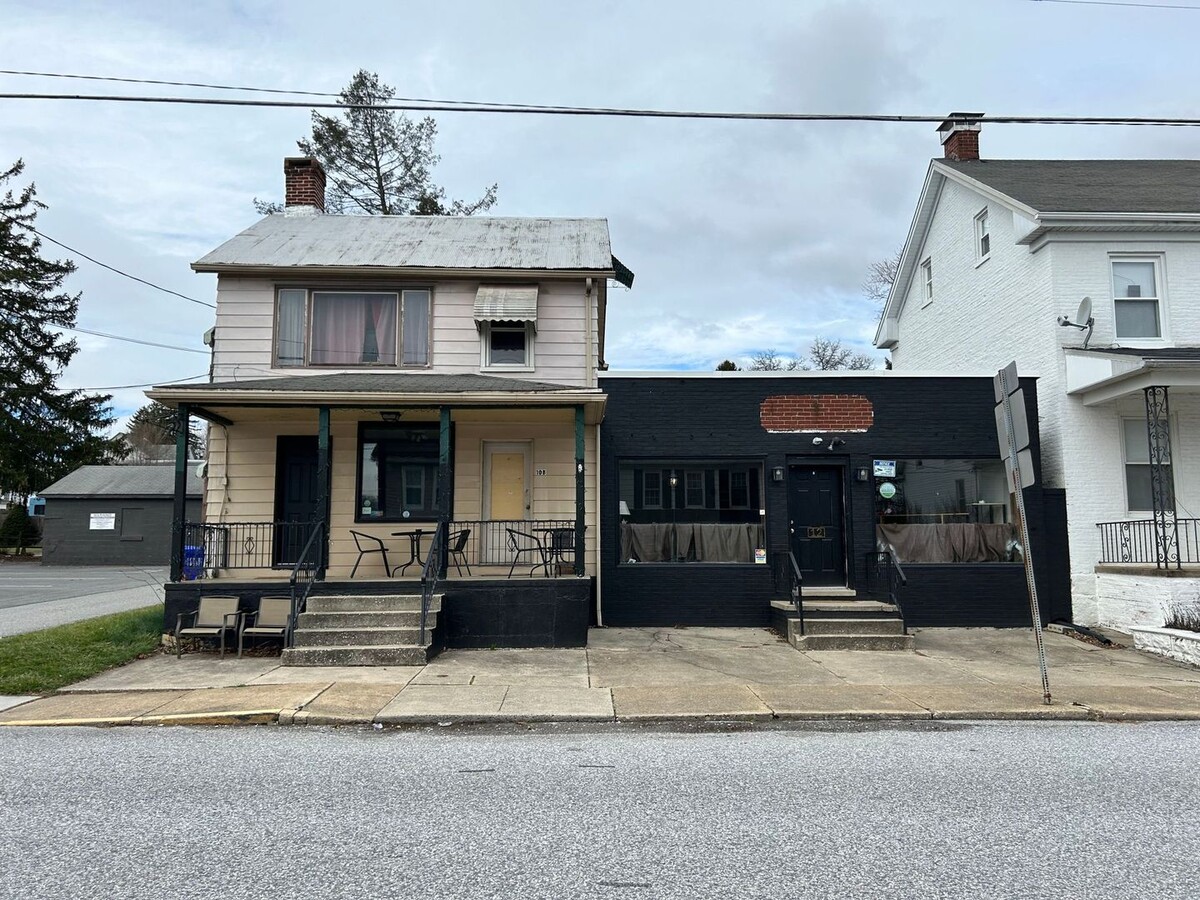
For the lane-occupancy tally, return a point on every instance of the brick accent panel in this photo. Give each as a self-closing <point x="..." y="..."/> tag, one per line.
<point x="303" y="182"/>
<point x="962" y="145"/>
<point x="816" y="412"/>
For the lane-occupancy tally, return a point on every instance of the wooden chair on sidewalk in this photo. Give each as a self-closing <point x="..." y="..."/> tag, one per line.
<point x="215" y="616"/>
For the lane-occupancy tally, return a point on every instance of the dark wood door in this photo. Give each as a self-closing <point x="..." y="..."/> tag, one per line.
<point x="817" y="524"/>
<point x="296" y="495"/>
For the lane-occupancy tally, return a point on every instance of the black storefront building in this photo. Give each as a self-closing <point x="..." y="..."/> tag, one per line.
<point x="709" y="480"/>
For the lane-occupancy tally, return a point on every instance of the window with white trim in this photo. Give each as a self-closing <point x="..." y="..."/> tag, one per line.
<point x="983" y="237"/>
<point x="507" y="345"/>
<point x="1135" y="434"/>
<point x="927" y="279"/>
<point x="352" y="328"/>
<point x="1136" y="301"/>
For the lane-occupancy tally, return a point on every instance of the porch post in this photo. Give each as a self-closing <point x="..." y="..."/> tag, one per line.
<point x="183" y="421"/>
<point x="580" y="518"/>
<point x="1162" y="479"/>
<point x="445" y="484"/>
<point x="323" y="485"/>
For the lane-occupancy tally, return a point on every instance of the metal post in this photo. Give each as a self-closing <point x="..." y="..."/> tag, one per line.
<point x="1162" y="479"/>
<point x="580" y="501"/>
<point x="179" y="514"/>
<point x="1018" y="490"/>
<point x="323" y="485"/>
<point x="445" y="482"/>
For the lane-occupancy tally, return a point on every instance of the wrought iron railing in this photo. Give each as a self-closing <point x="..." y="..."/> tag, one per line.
<point x="884" y="579"/>
<point x="524" y="546"/>
<point x="1136" y="541"/>
<point x="429" y="576"/>
<point x="305" y="572"/>
<point x="796" y="588"/>
<point x="241" y="545"/>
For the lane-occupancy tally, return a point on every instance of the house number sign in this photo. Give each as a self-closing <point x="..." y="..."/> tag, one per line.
<point x="816" y="532"/>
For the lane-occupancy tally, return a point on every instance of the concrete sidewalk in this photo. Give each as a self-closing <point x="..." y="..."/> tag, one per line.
<point x="645" y="675"/>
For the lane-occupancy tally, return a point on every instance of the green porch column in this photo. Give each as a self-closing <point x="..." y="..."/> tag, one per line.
<point x="323" y="485"/>
<point x="580" y="503"/>
<point x="183" y="421"/>
<point x="445" y="486"/>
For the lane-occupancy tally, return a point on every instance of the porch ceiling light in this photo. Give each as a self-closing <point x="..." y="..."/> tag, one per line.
<point x="391" y="415"/>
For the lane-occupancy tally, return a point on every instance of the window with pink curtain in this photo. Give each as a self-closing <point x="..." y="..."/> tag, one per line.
<point x="353" y="329"/>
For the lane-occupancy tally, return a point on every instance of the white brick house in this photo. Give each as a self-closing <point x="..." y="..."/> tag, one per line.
<point x="997" y="252"/>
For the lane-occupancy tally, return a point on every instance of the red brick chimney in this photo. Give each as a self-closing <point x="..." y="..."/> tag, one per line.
<point x="960" y="135"/>
<point x="304" y="182"/>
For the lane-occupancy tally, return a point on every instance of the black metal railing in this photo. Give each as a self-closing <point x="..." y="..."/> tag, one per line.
<point x="796" y="588"/>
<point x="429" y="576"/>
<point x="1136" y="541"/>
<point x="305" y="572"/>
<point x="517" y="545"/>
<point x="241" y="545"/>
<point x="884" y="579"/>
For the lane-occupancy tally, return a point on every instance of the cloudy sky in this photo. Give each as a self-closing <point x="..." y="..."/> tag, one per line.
<point x="744" y="235"/>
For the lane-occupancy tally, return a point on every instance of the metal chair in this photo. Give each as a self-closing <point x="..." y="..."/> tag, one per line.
<point x="368" y="539"/>
<point x="273" y="618"/>
<point x="522" y="542"/>
<point x="562" y="545"/>
<point x="456" y="549"/>
<point x="211" y="619"/>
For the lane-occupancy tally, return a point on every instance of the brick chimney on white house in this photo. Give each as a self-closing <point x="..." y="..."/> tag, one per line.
<point x="960" y="135"/>
<point x="303" y="185"/>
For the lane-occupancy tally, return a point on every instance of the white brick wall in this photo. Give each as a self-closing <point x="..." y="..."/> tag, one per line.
<point x="985" y="315"/>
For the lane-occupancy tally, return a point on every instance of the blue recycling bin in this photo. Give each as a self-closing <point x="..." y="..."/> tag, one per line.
<point x="193" y="561"/>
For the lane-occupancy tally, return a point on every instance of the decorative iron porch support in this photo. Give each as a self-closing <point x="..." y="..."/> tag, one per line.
<point x="323" y="504"/>
<point x="445" y="484"/>
<point x="183" y="421"/>
<point x="580" y="500"/>
<point x="1162" y="479"/>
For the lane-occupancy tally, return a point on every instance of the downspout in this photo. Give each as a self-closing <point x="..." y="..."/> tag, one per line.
<point x="596" y="544"/>
<point x="590" y="351"/>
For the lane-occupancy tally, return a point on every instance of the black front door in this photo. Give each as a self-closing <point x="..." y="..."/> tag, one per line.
<point x="817" y="524"/>
<point x="296" y="495"/>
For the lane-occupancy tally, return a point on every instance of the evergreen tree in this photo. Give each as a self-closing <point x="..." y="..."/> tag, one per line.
<point x="150" y="436"/>
<point x="45" y="433"/>
<point x="379" y="161"/>
<point x="18" y="531"/>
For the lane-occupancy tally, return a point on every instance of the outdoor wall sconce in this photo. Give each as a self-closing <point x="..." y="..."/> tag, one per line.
<point x="673" y="480"/>
<point x="391" y="415"/>
<point x="777" y="473"/>
<point x="862" y="474"/>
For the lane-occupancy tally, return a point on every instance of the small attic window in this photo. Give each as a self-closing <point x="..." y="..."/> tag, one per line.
<point x="983" y="238"/>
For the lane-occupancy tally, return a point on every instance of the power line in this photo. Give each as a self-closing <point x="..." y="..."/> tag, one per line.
<point x="608" y="111"/>
<point x="118" y="337"/>
<point x="119" y="387"/>
<point x="157" y="287"/>
<point x="1122" y="3"/>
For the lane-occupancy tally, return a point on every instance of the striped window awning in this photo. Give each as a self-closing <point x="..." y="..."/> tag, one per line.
<point x="504" y="303"/>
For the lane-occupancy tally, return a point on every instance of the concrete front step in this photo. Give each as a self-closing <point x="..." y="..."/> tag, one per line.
<point x="881" y="626"/>
<point x="847" y="609"/>
<point x="379" y="655"/>
<point x="852" y="642"/>
<point x="405" y="619"/>
<point x="369" y="603"/>
<point x="357" y="637"/>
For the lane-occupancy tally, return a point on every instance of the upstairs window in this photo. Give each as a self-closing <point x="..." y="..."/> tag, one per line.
<point x="507" y="345"/>
<point x="927" y="279"/>
<point x="983" y="238"/>
<point x="1135" y="285"/>
<point x="352" y="328"/>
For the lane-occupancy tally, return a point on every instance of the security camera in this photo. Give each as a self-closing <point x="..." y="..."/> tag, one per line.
<point x="817" y="441"/>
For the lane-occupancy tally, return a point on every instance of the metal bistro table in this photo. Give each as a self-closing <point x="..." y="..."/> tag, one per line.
<point x="414" y="536"/>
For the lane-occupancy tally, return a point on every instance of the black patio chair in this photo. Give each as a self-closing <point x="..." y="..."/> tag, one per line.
<point x="457" y="549"/>
<point x="562" y="548"/>
<point x="521" y="543"/>
<point x="379" y="547"/>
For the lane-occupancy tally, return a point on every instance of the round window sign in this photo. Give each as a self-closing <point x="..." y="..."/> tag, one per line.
<point x="887" y="490"/>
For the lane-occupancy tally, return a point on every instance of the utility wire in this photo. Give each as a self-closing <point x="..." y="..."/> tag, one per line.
<point x="157" y="287"/>
<point x="118" y="387"/>
<point x="118" y="337"/>
<point x="607" y="111"/>
<point x="1124" y="3"/>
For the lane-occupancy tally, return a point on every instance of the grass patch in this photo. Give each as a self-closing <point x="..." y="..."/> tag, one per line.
<point x="44" y="661"/>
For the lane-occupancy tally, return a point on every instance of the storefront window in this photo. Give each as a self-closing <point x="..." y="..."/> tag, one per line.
<point x="944" y="510"/>
<point x="399" y="473"/>
<point x="706" y="511"/>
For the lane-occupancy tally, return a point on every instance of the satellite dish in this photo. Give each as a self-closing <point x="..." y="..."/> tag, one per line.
<point x="1084" y="315"/>
<point x="1083" y="320"/>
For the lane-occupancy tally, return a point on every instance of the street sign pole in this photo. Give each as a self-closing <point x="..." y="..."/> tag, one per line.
<point x="1008" y="384"/>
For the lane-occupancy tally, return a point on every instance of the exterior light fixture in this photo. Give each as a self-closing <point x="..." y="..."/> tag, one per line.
<point x="863" y="474"/>
<point x="777" y="473"/>
<point x="673" y="479"/>
<point x="391" y="415"/>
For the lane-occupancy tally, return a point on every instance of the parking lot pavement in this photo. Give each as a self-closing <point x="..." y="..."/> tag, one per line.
<point x="33" y="596"/>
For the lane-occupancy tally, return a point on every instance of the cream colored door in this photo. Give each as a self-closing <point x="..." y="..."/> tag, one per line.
<point x="506" y="485"/>
<point x="506" y="497"/>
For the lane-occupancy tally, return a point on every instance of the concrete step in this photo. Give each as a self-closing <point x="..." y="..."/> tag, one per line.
<point x="357" y="637"/>
<point x="369" y="603"/>
<point x="881" y="626"/>
<point x="369" y="619"/>
<point x="847" y="609"/>
<point x="851" y="641"/>
<point x="379" y="655"/>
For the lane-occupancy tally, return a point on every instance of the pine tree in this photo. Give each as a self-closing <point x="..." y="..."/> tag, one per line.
<point x="45" y="433"/>
<point x="150" y="436"/>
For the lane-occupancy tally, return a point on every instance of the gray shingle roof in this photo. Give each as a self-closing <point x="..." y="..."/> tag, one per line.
<point x="124" y="481"/>
<point x="427" y="242"/>
<point x="1091" y="185"/>
<point x="376" y="382"/>
<point x="1164" y="353"/>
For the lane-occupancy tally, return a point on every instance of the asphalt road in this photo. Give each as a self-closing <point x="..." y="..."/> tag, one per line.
<point x="1043" y="810"/>
<point x="34" y="596"/>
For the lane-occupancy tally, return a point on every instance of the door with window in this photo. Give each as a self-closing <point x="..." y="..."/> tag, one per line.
<point x="816" y="521"/>
<point x="506" y="494"/>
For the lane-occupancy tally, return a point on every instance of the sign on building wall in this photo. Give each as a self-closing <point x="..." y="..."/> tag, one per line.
<point x="885" y="468"/>
<point x="102" y="521"/>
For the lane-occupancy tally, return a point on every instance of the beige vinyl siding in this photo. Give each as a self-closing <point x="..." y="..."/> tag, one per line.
<point x="246" y="319"/>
